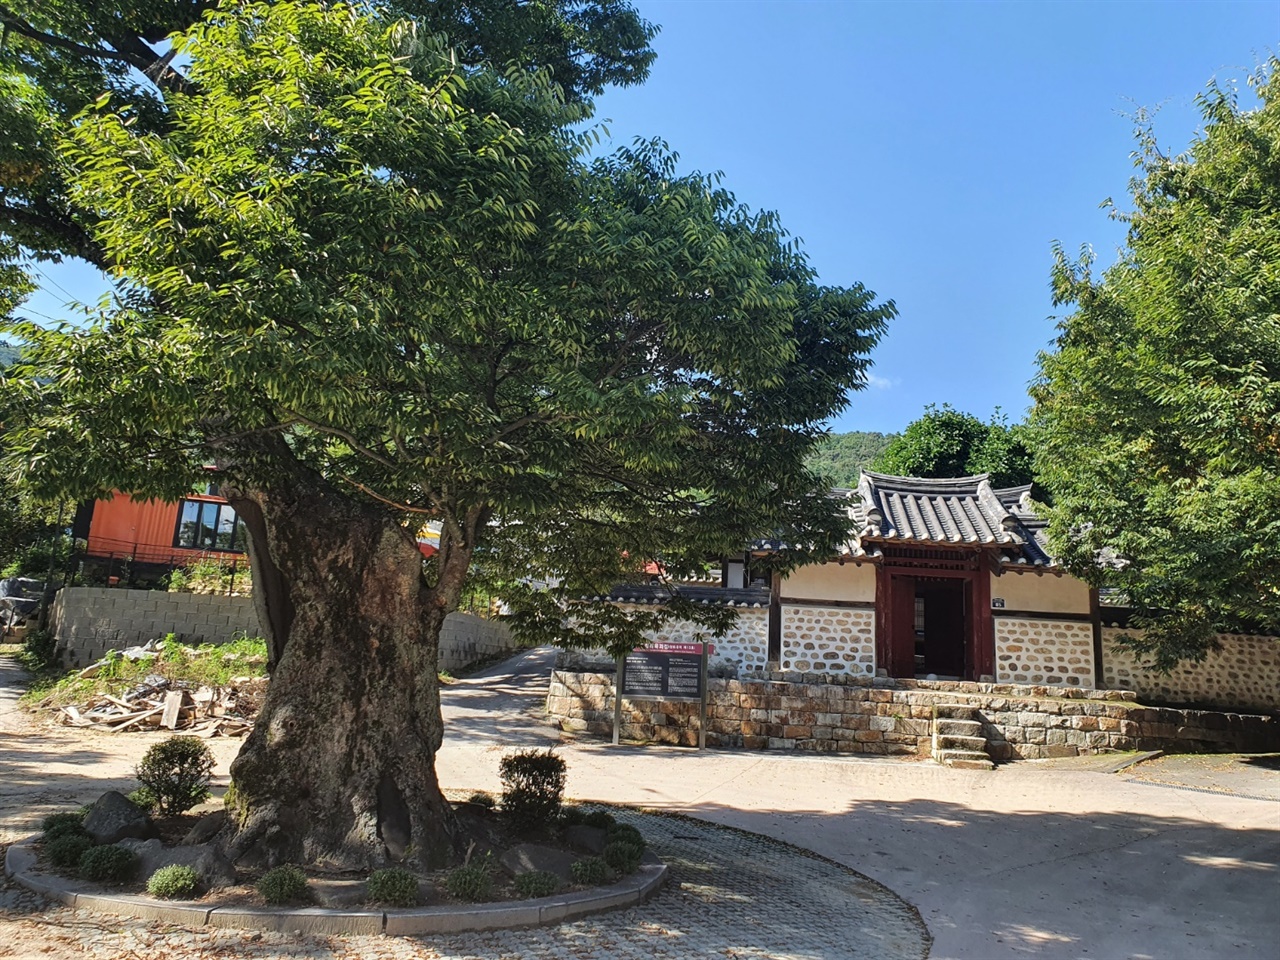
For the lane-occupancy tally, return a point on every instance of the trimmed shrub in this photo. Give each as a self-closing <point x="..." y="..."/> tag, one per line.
<point x="177" y="773"/>
<point x="110" y="864"/>
<point x="393" y="886"/>
<point x="625" y="831"/>
<point x="61" y="824"/>
<point x="591" y="871"/>
<point x="143" y="799"/>
<point x="599" y="818"/>
<point x="471" y="882"/>
<point x="623" y="855"/>
<point x="174" y="882"/>
<point x="66" y="850"/>
<point x="283" y="885"/>
<point x="532" y="788"/>
<point x="482" y="799"/>
<point x="571" y="816"/>
<point x="538" y="883"/>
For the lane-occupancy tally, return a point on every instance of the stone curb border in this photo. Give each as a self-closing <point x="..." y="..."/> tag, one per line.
<point x="20" y="862"/>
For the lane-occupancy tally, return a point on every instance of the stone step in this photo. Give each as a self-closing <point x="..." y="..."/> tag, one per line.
<point x="965" y="759"/>
<point x="959" y="728"/>
<point x="956" y="711"/>
<point x="969" y="744"/>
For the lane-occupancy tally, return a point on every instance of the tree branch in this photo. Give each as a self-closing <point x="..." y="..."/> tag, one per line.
<point x="79" y="241"/>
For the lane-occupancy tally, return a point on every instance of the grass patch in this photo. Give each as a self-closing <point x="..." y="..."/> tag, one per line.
<point x="209" y="665"/>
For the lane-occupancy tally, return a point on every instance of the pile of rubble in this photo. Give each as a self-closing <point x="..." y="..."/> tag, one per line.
<point x="158" y="702"/>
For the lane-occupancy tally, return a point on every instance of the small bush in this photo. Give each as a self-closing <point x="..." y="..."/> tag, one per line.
<point x="39" y="651"/>
<point x="532" y="788"/>
<point x="283" y="885"/>
<point x="66" y="850"/>
<point x="625" y="831"/>
<point x="393" y="886"/>
<point x="591" y="871"/>
<point x="143" y="799"/>
<point x="538" y="883"/>
<point x="599" y="818"/>
<point x="108" y="864"/>
<point x="59" y="824"/>
<point x="623" y="855"/>
<point x="177" y="773"/>
<point x="175" y="882"/>
<point x="482" y="799"/>
<point x="471" y="882"/>
<point x="571" y="816"/>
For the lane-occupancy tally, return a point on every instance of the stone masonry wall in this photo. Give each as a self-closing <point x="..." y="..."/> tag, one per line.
<point x="744" y="648"/>
<point x="1243" y="675"/>
<point x="89" y="621"/>
<point x="1044" y="652"/>
<point x="836" y="640"/>
<point x="895" y="717"/>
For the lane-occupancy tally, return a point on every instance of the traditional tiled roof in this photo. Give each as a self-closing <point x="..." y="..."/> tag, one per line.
<point x="961" y="511"/>
<point x="660" y="593"/>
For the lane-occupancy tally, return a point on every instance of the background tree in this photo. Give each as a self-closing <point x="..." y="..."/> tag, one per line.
<point x="840" y="457"/>
<point x="1158" y="412"/>
<point x="378" y="290"/>
<point x="945" y="442"/>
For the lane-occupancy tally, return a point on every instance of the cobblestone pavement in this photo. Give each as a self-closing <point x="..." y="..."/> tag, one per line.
<point x="731" y="895"/>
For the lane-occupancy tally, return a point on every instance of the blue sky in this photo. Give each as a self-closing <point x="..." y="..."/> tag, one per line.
<point x="932" y="151"/>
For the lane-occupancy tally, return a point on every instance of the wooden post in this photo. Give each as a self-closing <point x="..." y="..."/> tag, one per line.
<point x="617" y="698"/>
<point x="702" y="704"/>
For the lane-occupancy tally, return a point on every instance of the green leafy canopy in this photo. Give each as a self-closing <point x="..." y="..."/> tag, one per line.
<point x="350" y="256"/>
<point x="1157" y="414"/>
<point x="944" y="442"/>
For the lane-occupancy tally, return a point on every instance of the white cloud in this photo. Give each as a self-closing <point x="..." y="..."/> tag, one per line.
<point x="876" y="382"/>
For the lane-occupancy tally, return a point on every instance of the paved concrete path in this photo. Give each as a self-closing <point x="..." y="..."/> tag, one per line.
<point x="1031" y="860"/>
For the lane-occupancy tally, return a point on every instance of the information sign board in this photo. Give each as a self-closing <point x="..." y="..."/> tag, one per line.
<point x="664" y="671"/>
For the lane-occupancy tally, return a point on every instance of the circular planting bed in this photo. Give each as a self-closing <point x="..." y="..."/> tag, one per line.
<point x="578" y="862"/>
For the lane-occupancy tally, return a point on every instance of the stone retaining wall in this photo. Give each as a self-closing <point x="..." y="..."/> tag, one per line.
<point x="1043" y="651"/>
<point x="89" y="621"/>
<point x="895" y="717"/>
<point x="835" y="640"/>
<point x="1243" y="674"/>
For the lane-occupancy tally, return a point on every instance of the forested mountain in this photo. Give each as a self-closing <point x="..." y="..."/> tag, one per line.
<point x="842" y="455"/>
<point x="8" y="354"/>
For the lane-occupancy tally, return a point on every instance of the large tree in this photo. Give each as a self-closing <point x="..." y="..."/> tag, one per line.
<point x="1158" y="410"/>
<point x="59" y="56"/>
<point x="945" y="442"/>
<point x="379" y="288"/>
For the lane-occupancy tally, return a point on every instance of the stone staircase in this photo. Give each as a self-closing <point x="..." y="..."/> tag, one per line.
<point x="957" y="737"/>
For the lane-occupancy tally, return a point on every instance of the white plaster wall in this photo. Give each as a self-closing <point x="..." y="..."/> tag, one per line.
<point x="745" y="645"/>
<point x="1244" y="674"/>
<point x="832" y="581"/>
<point x="1044" y="652"/>
<point x="838" y="640"/>
<point x="1045" y="593"/>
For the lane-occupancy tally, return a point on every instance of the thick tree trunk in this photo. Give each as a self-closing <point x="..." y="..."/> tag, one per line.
<point x="339" y="771"/>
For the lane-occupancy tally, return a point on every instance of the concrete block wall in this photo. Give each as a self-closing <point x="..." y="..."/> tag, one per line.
<point x="1243" y="674"/>
<point x="89" y="621"/>
<point x="464" y="639"/>
<point x="895" y="717"/>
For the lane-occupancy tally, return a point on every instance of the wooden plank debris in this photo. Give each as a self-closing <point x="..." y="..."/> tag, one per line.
<point x="205" y="711"/>
<point x="172" y="704"/>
